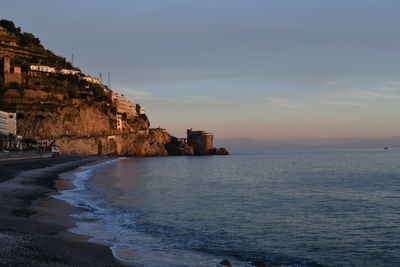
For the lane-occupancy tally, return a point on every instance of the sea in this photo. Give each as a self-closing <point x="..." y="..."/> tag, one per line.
<point x="337" y="207"/>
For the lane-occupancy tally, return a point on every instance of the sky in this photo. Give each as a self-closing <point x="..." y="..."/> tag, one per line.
<point x="263" y="69"/>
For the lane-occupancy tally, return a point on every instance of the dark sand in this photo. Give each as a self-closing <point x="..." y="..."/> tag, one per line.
<point x="28" y="241"/>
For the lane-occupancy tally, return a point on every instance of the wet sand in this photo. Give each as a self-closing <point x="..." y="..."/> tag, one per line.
<point x="31" y="239"/>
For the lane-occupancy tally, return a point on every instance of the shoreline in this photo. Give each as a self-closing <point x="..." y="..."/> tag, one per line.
<point x="28" y="240"/>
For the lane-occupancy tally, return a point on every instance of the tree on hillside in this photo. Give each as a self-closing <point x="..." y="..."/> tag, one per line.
<point x="2" y="89"/>
<point x="24" y="39"/>
<point x="28" y="39"/>
<point x="8" y="141"/>
<point x="98" y="93"/>
<point x="74" y="92"/>
<point x="10" y="27"/>
<point x="138" y="107"/>
<point x="3" y="141"/>
<point x="12" y="142"/>
<point x="28" y="143"/>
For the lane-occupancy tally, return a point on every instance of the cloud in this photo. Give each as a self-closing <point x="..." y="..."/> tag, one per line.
<point x="390" y="86"/>
<point x="134" y="94"/>
<point x="214" y="101"/>
<point x="366" y="94"/>
<point x="365" y="91"/>
<point x="354" y="95"/>
<point x="282" y="102"/>
<point x="137" y="95"/>
<point x="140" y="93"/>
<point x="343" y="103"/>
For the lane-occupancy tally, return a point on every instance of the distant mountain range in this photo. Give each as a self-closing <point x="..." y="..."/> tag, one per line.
<point x="244" y="143"/>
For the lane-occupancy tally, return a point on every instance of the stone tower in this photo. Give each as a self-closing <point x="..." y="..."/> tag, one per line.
<point x="11" y="75"/>
<point x="201" y="141"/>
<point x="6" y="65"/>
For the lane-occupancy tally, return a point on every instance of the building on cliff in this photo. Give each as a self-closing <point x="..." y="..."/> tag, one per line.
<point x="124" y="105"/>
<point x="43" y="68"/>
<point x="48" y="69"/>
<point x="119" y="122"/>
<point x="8" y="123"/>
<point x="68" y="72"/>
<point x="201" y="141"/>
<point x="11" y="74"/>
<point x="91" y="79"/>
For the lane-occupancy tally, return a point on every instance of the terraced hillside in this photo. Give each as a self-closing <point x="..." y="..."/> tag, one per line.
<point x="25" y="48"/>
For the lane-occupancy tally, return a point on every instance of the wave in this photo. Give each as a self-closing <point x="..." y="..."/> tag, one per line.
<point x="77" y="196"/>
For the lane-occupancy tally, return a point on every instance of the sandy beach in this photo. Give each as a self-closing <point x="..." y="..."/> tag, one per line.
<point x="28" y="241"/>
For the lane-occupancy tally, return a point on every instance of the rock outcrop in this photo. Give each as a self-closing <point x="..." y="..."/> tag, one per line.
<point x="141" y="144"/>
<point x="225" y="262"/>
<point x="259" y="263"/>
<point x="178" y="148"/>
<point x="218" y="151"/>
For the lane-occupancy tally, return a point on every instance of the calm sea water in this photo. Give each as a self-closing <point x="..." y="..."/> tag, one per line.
<point x="296" y="208"/>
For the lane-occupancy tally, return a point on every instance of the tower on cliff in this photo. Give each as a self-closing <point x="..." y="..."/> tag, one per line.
<point x="201" y="141"/>
<point x="10" y="74"/>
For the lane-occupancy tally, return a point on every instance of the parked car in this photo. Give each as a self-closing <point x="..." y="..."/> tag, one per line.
<point x="55" y="151"/>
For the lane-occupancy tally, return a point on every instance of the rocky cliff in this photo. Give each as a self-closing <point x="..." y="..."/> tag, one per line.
<point x="43" y="116"/>
<point x="79" y="116"/>
<point x="141" y="144"/>
<point x="82" y="127"/>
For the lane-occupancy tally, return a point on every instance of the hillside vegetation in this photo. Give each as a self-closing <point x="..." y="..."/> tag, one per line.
<point x="25" y="48"/>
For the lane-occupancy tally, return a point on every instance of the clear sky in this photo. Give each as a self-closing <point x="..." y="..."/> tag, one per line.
<point x="274" y="70"/>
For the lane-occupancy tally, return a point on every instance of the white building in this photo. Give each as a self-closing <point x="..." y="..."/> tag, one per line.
<point x="48" y="69"/>
<point x="90" y="79"/>
<point x="142" y="111"/>
<point x="8" y="123"/>
<point x="43" y="68"/>
<point x="69" y="72"/>
<point x="124" y="105"/>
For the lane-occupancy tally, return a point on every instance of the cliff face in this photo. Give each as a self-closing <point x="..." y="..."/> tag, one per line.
<point x="175" y="147"/>
<point x="150" y="143"/>
<point x="81" y="126"/>
<point x="141" y="144"/>
<point x="43" y="115"/>
<point x="75" y="121"/>
<point x="47" y="117"/>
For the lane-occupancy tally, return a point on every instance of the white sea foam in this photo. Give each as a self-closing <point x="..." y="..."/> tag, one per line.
<point x="77" y="195"/>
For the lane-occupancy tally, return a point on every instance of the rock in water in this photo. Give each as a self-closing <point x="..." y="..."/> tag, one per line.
<point x="218" y="151"/>
<point x="177" y="148"/>
<point x="259" y="263"/>
<point x="225" y="262"/>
